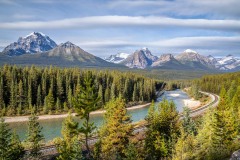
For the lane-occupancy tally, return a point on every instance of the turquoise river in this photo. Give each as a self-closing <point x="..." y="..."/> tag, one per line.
<point x="52" y="127"/>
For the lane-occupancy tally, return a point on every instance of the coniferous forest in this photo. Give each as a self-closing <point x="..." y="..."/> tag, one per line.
<point x="167" y="133"/>
<point x="50" y="90"/>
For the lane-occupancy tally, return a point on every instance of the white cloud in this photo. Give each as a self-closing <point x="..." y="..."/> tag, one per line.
<point x="215" y="45"/>
<point x="125" y="21"/>
<point x="223" y="8"/>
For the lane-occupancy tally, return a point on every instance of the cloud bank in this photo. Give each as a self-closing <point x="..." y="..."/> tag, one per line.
<point x="125" y="21"/>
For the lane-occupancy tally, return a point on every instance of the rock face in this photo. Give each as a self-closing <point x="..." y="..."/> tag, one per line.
<point x="137" y="60"/>
<point x="168" y="61"/>
<point x="149" y="55"/>
<point x="70" y="52"/>
<point x="35" y="42"/>
<point x="165" y="58"/>
<point x="195" y="60"/>
<point x="235" y="155"/>
<point x="228" y="63"/>
<point x="117" y="58"/>
<point x="142" y="58"/>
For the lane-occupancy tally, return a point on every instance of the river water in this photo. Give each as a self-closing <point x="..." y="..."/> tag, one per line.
<point x="52" y="127"/>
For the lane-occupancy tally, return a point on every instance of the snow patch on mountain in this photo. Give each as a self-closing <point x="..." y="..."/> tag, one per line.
<point x="35" y="42"/>
<point x="118" y="58"/>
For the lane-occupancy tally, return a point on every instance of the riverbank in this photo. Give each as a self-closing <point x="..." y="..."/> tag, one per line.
<point x="192" y="103"/>
<point x="45" y="117"/>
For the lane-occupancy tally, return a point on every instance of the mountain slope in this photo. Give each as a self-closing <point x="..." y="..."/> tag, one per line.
<point x="167" y="61"/>
<point x="137" y="60"/>
<point x="65" y="55"/>
<point x="228" y="63"/>
<point x="33" y="43"/>
<point x="117" y="58"/>
<point x="149" y="55"/>
<point x="193" y="59"/>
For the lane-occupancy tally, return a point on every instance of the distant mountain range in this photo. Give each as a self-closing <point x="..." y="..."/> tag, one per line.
<point x="189" y="59"/>
<point x="37" y="48"/>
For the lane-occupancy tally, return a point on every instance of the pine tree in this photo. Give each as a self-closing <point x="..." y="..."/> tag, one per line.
<point x="29" y="95"/>
<point x="84" y="103"/>
<point x="223" y="99"/>
<point x="13" y="100"/>
<point x="50" y="100"/>
<point x="1" y="93"/>
<point x="163" y="130"/>
<point x="34" y="136"/>
<point x="135" y="98"/>
<point x="211" y="137"/>
<point x="58" y="106"/>
<point x="17" y="150"/>
<point x="115" y="134"/>
<point x="20" y="97"/>
<point x="185" y="147"/>
<point x="100" y="95"/>
<point x="188" y="124"/>
<point x="113" y="91"/>
<point x="69" y="97"/>
<point x="69" y="147"/>
<point x="39" y="97"/>
<point x="107" y="94"/>
<point x="131" y="152"/>
<point x="5" y="136"/>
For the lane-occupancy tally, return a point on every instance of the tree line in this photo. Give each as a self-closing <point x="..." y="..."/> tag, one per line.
<point x="50" y="90"/>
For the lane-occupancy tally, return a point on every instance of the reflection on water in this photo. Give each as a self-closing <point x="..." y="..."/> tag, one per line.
<point x="52" y="127"/>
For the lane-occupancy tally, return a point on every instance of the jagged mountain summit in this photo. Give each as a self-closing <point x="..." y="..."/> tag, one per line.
<point x="228" y="62"/>
<point x="71" y="52"/>
<point x="117" y="58"/>
<point x="167" y="61"/>
<point x="149" y="55"/>
<point x="193" y="59"/>
<point x="139" y="59"/>
<point x="35" y="42"/>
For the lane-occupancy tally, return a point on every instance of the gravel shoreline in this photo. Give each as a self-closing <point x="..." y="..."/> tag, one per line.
<point x="45" y="117"/>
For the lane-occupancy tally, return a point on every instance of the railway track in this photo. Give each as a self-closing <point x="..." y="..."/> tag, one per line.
<point x="51" y="150"/>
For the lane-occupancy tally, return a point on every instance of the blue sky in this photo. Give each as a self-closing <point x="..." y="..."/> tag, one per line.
<point x="105" y="27"/>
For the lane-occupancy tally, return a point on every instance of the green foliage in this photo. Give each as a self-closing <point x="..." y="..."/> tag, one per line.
<point x="21" y="88"/>
<point x="10" y="145"/>
<point x="163" y="130"/>
<point x="188" y="124"/>
<point x="69" y="146"/>
<point x="16" y="150"/>
<point x="34" y="136"/>
<point x="5" y="135"/>
<point x="85" y="102"/>
<point x="116" y="132"/>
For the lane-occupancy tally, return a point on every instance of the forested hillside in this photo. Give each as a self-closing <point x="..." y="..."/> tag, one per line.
<point x="50" y="90"/>
<point x="214" y="83"/>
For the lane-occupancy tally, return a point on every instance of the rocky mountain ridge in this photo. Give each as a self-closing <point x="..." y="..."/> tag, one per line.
<point x="35" y="42"/>
<point x="38" y="48"/>
<point x="143" y="58"/>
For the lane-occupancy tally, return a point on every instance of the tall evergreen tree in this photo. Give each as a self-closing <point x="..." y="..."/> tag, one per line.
<point x="84" y="103"/>
<point x="163" y="130"/>
<point x="5" y="136"/>
<point x="17" y="149"/>
<point x="34" y="136"/>
<point x="69" y="146"/>
<point x="116" y="132"/>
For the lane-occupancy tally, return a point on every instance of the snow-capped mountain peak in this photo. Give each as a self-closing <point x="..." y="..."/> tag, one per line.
<point x="117" y="58"/>
<point x="35" y="42"/>
<point x="35" y="34"/>
<point x="190" y="51"/>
